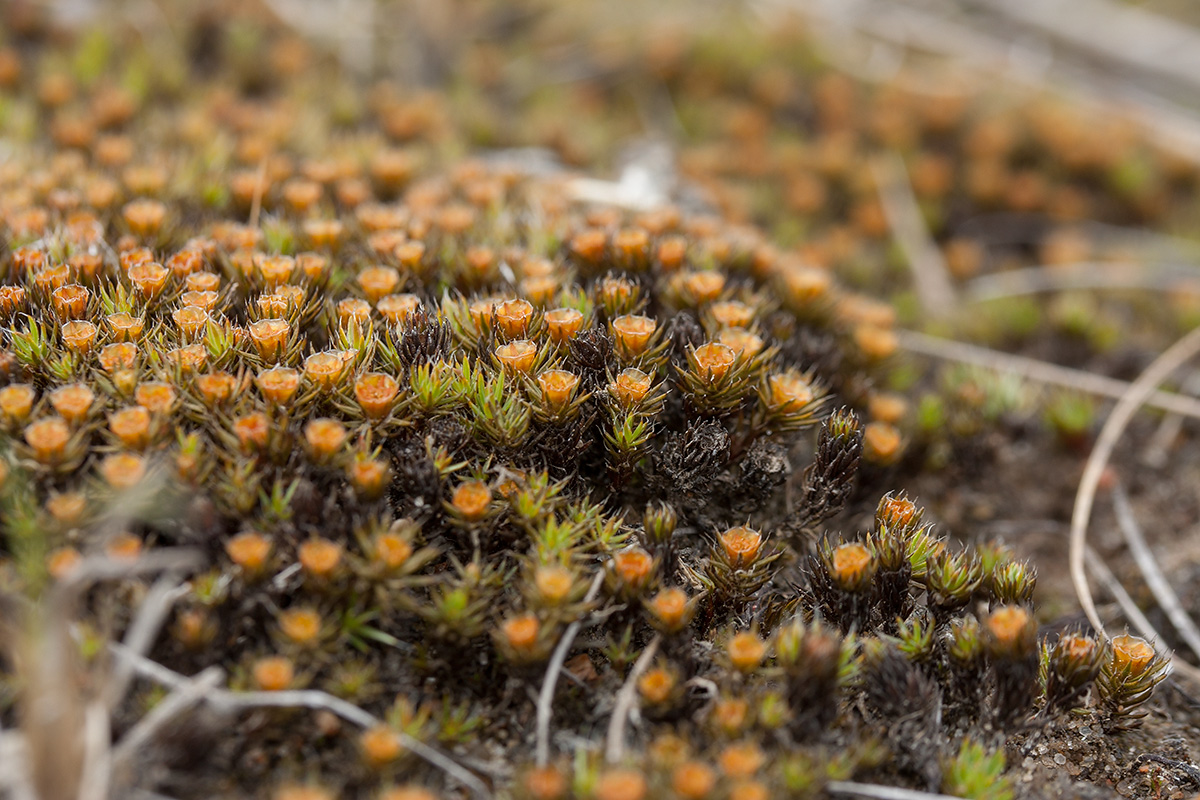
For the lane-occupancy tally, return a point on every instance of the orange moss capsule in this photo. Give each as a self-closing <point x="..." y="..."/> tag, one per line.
<point x="325" y="437"/>
<point x="131" y="426"/>
<point x="273" y="674"/>
<point x="50" y="279"/>
<point x="713" y="360"/>
<point x="380" y="746"/>
<point x="887" y="407"/>
<point x="471" y="500"/>
<point x="563" y="323"/>
<point x="749" y="790"/>
<point x="632" y="333"/>
<point x="320" y="557"/>
<point x="875" y="343"/>
<point x="79" y="335"/>
<point x="376" y="393"/>
<point x="278" y="384"/>
<point x="150" y="278"/>
<point x="1012" y="632"/>
<point x="882" y="443"/>
<point x="216" y="387"/>
<point x="804" y="286"/>
<point x="62" y="562"/>
<point x="191" y="321"/>
<point x="517" y="356"/>
<point x="746" y="652"/>
<point x="73" y="402"/>
<point x="70" y="301"/>
<point x="125" y="327"/>
<point x="670" y="608"/>
<point x="693" y="780"/>
<point x="521" y="633"/>
<point x="656" y="686"/>
<point x="67" y="508"/>
<point x="123" y="547"/>
<point x="410" y="254"/>
<point x="396" y="308"/>
<point x="301" y="625"/>
<point x="202" y="282"/>
<point x="249" y="551"/>
<point x="741" y="546"/>
<point x="545" y="783"/>
<point x="206" y="300"/>
<point x="743" y="343"/>
<point x="144" y="217"/>
<point x="732" y="314"/>
<point x="540" y="289"/>
<point x="852" y="566"/>
<point x="512" y="317"/>
<point x="589" y="245"/>
<point x="553" y="583"/>
<point x="558" y="387"/>
<point x="324" y="232"/>
<point x="633" y="567"/>
<point x="16" y="402"/>
<point x="378" y="281"/>
<point x="630" y="387"/>
<point x="1132" y="654"/>
<point x="123" y="471"/>
<point x="620" y="784"/>
<point x="253" y="431"/>
<point x="702" y="287"/>
<point x="156" y="396"/>
<point x="352" y="309"/>
<point x="369" y="477"/>
<point x="392" y="550"/>
<point x="275" y="270"/>
<point x="11" y="298"/>
<point x="325" y="369"/>
<point x="741" y="760"/>
<point x="269" y="337"/>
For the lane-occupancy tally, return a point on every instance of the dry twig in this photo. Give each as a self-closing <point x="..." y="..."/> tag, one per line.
<point x="615" y="746"/>
<point x="1138" y="393"/>
<point x="546" y="696"/>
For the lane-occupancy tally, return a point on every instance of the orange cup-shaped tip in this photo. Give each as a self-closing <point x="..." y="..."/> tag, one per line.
<point x="125" y="327"/>
<point x="732" y="314"/>
<point x="741" y="546"/>
<point x="123" y="471"/>
<point x="396" y="308"/>
<point x="278" y="384"/>
<point x="320" y="557"/>
<point x="563" y="323"/>
<point x="392" y="550"/>
<point x="633" y="331"/>
<point x="70" y="301"/>
<point x="790" y="392"/>
<point x="325" y="368"/>
<point x="471" y="499"/>
<point x="249" y="550"/>
<point x="269" y="336"/>
<point x="156" y="396"/>
<point x="517" y="356"/>
<point x="149" y="277"/>
<point x="131" y="426"/>
<point x="73" y="402"/>
<point x="746" y="651"/>
<point x="376" y="393"/>
<point x="521" y="632"/>
<point x="79" y="335"/>
<point x="553" y="583"/>
<point x="620" y="784"/>
<point x="630" y="386"/>
<point x="704" y="286"/>
<point x="1132" y="653"/>
<point x="190" y="320"/>
<point x="633" y="566"/>
<point x="273" y="674"/>
<point x="713" y="360"/>
<point x="252" y="430"/>
<point x="325" y="437"/>
<point x="742" y="342"/>
<point x="352" y="309"/>
<point x="558" y="387"/>
<point x="48" y="439"/>
<point x="513" y="316"/>
<point x="16" y="401"/>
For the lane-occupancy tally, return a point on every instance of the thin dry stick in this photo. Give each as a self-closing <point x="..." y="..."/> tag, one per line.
<point x="546" y="696"/>
<point x="97" y="755"/>
<point x="1160" y="587"/>
<point x="1080" y="275"/>
<point x="877" y="792"/>
<point x="307" y="698"/>
<point x="930" y="275"/>
<point x="1136" y="396"/>
<point x="145" y="627"/>
<point x="179" y="702"/>
<point x="615" y="747"/>
<point x="1042" y="371"/>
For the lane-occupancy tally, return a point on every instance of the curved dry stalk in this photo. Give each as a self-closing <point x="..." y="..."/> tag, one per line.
<point x="877" y="792"/>
<point x="1159" y="586"/>
<point x="1134" y="398"/>
<point x="1042" y="371"/>
<point x="614" y="748"/>
<point x="1079" y="275"/>
<point x="546" y="696"/>
<point x="930" y="275"/>
<point x="227" y="700"/>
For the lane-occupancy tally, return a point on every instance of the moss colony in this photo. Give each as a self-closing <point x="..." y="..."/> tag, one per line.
<point x="469" y="486"/>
